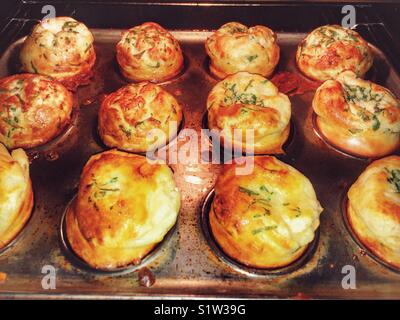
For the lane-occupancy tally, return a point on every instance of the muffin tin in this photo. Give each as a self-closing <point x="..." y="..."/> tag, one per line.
<point x="189" y="263"/>
<point x="80" y="263"/>
<point x="237" y="266"/>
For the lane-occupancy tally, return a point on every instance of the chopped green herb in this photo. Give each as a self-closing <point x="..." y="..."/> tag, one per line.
<point x="266" y="213"/>
<point x="156" y="66"/>
<point x="355" y="130"/>
<point x="248" y="191"/>
<point x="252" y="57"/>
<point x="127" y="131"/>
<point x="267" y="228"/>
<point x="233" y="96"/>
<point x="102" y="189"/>
<point x="376" y="123"/>
<point x="249" y="84"/>
<point x="394" y="178"/>
<point x="298" y="211"/>
<point x="363" y="116"/>
<point x="69" y="25"/>
<point x="115" y="179"/>
<point x="137" y="124"/>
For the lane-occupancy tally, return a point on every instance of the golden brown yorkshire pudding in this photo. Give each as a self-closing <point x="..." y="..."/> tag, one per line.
<point x="34" y="109"/>
<point x="358" y="116"/>
<point x="124" y="208"/>
<point x="235" y="47"/>
<point x="244" y="104"/>
<point x="128" y="116"/>
<point x="265" y="219"/>
<point x="149" y="53"/>
<point x="329" y="50"/>
<point x="374" y="209"/>
<point x="16" y="195"/>
<point x="61" y="48"/>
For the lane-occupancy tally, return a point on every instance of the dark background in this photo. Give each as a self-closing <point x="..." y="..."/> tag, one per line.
<point x="380" y="20"/>
<point x="283" y="14"/>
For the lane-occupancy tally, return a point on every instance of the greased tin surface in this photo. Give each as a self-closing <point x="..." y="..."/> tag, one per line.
<point x="187" y="265"/>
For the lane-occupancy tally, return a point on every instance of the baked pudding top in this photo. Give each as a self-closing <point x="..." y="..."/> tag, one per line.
<point x="33" y="109"/>
<point x="358" y="105"/>
<point x="332" y="49"/>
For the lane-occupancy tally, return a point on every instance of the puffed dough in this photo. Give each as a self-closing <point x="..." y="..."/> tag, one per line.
<point x="245" y="101"/>
<point x="16" y="195"/>
<point x="62" y="48"/>
<point x="125" y="206"/>
<point x="34" y="109"/>
<point x="149" y="53"/>
<point x="235" y="47"/>
<point x="265" y="219"/>
<point x="134" y="117"/>
<point x="374" y="209"/>
<point x="358" y="116"/>
<point x="329" y="50"/>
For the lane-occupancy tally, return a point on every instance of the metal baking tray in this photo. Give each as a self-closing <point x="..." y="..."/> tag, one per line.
<point x="189" y="264"/>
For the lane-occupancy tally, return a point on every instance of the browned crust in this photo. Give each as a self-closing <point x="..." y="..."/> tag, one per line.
<point x="109" y="118"/>
<point x="372" y="244"/>
<point x="169" y="76"/>
<point x="247" y="257"/>
<point x="127" y="61"/>
<point x="22" y="218"/>
<point x="231" y="222"/>
<point x="100" y="257"/>
<point x="83" y="77"/>
<point x="42" y="134"/>
<point x="221" y="74"/>
<point x="99" y="235"/>
<point x="274" y="145"/>
<point x="366" y="145"/>
<point x="334" y="55"/>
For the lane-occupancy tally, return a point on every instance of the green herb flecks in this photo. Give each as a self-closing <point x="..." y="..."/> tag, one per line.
<point x="103" y="189"/>
<point x="297" y="211"/>
<point x="266" y="212"/>
<point x="157" y="65"/>
<point x="329" y="36"/>
<point x="263" y="229"/>
<point x="236" y="29"/>
<point x="375" y="123"/>
<point x="69" y="26"/>
<point x="248" y="191"/>
<point x="252" y="57"/>
<point x="394" y="178"/>
<point x="357" y="93"/>
<point x="260" y="198"/>
<point x="249" y="84"/>
<point x="355" y="130"/>
<point x="126" y="131"/>
<point x="233" y="96"/>
<point x="12" y="120"/>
